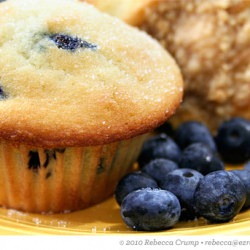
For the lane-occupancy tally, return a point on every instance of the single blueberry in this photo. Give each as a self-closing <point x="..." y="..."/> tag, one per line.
<point x="159" y="168"/>
<point x="219" y="196"/>
<point x="159" y="146"/>
<point x="199" y="156"/>
<point x="233" y="140"/>
<point x="183" y="183"/>
<point x="244" y="176"/>
<point x="150" y="209"/>
<point x="191" y="132"/>
<point x="68" y="42"/>
<point x="131" y="182"/>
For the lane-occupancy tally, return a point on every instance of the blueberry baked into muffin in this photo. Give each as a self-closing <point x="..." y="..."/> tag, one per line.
<point x="80" y="90"/>
<point x="210" y="40"/>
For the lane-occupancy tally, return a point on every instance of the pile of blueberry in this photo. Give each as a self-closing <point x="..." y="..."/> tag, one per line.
<point x="182" y="176"/>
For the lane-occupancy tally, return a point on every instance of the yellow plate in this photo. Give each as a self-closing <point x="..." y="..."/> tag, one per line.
<point x="105" y="219"/>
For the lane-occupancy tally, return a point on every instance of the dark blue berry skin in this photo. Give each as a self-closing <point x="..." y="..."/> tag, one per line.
<point x="159" y="168"/>
<point x="166" y="128"/>
<point x="2" y="94"/>
<point x="198" y="156"/>
<point x="247" y="166"/>
<point x="191" y="132"/>
<point x="159" y="146"/>
<point x="183" y="183"/>
<point x="244" y="176"/>
<point x="150" y="210"/>
<point x="233" y="140"/>
<point x="67" y="42"/>
<point x="132" y="182"/>
<point x="219" y="196"/>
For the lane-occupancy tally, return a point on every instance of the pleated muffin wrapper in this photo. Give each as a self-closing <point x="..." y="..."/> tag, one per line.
<point x="63" y="179"/>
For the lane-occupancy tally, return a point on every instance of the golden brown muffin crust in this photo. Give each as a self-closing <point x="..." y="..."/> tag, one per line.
<point x="126" y="86"/>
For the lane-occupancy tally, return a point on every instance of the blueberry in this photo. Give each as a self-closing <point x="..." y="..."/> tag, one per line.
<point x="183" y="183"/>
<point x="244" y="176"/>
<point x="219" y="196"/>
<point x="67" y="42"/>
<point x="150" y="209"/>
<point x="159" y="168"/>
<point x="247" y="166"/>
<point x="191" y="132"/>
<point x="198" y="156"/>
<point x="51" y="154"/>
<point x="233" y="140"/>
<point x="159" y="146"/>
<point x="2" y="94"/>
<point x="34" y="161"/>
<point x="131" y="182"/>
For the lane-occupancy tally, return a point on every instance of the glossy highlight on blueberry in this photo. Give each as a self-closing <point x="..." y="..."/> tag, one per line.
<point x="68" y="42"/>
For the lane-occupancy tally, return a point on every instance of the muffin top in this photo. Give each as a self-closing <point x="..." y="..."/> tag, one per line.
<point x="73" y="76"/>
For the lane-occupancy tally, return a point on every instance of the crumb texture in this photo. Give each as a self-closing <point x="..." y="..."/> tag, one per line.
<point x="210" y="41"/>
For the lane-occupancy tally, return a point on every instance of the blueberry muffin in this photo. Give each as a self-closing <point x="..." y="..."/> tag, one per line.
<point x="79" y="91"/>
<point x="210" y="41"/>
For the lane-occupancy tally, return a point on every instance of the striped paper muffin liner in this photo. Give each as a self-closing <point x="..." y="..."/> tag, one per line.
<point x="63" y="179"/>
